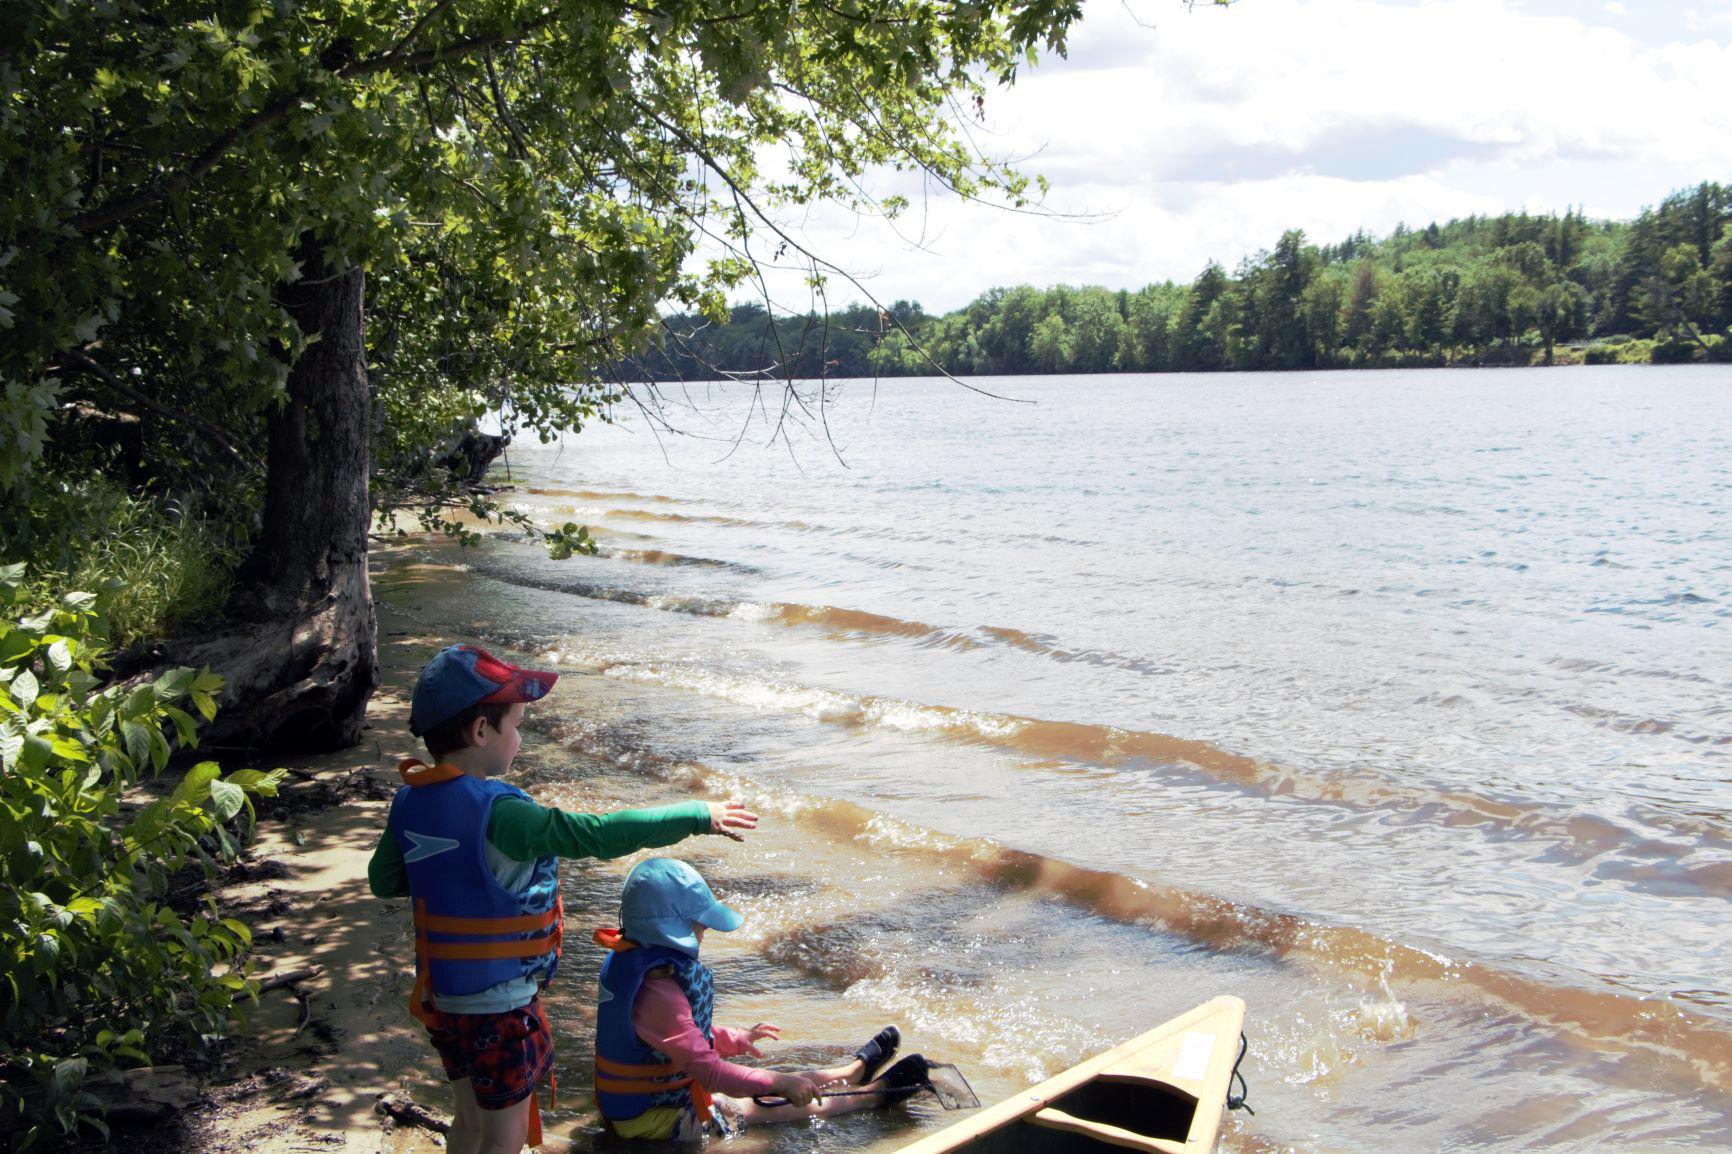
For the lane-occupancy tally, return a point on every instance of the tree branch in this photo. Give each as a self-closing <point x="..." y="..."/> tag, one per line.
<point x="84" y="361"/>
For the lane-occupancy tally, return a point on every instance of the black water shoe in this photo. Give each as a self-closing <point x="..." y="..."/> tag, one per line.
<point x="877" y="1054"/>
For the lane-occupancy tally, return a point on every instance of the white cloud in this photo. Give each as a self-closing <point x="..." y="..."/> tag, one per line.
<point x="1616" y="9"/>
<point x="1208" y="132"/>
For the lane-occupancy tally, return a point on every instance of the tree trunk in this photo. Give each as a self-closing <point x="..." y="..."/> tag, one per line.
<point x="297" y="652"/>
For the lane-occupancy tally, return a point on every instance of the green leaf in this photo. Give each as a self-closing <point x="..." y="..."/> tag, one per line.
<point x="159" y="751"/>
<point x="35" y="754"/>
<point x="66" y="749"/>
<point x="263" y="784"/>
<point x="140" y="701"/>
<point x="174" y="684"/>
<point x="196" y="784"/>
<point x="68" y="1078"/>
<point x="24" y="688"/>
<point x="205" y="704"/>
<point x="11" y="741"/>
<point x="185" y="728"/>
<point x="60" y="656"/>
<point x="137" y="740"/>
<point x="229" y="799"/>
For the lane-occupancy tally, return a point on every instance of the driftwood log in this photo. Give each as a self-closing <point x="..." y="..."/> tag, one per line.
<point x="146" y="1096"/>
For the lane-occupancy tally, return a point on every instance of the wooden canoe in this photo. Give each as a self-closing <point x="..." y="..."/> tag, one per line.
<point x="1162" y="1092"/>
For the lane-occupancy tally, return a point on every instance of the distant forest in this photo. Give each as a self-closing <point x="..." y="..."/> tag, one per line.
<point x="1485" y="290"/>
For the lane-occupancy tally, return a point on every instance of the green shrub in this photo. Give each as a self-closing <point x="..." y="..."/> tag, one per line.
<point x="177" y="566"/>
<point x="1672" y="352"/>
<point x="101" y="963"/>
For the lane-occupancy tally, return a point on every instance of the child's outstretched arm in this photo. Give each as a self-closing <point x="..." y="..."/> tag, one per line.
<point x="663" y="1019"/>
<point x="523" y="830"/>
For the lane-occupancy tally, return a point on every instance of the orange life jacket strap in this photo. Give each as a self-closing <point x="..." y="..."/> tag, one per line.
<point x="628" y="1070"/>
<point x="609" y="938"/>
<point x="628" y="1086"/>
<point x="485" y="927"/>
<point x="702" y="1099"/>
<point x="417" y="772"/>
<point x="533" y="1138"/>
<point x="489" y="951"/>
<point x="421" y="994"/>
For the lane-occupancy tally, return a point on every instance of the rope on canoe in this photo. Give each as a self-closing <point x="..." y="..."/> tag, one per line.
<point x="1237" y="1101"/>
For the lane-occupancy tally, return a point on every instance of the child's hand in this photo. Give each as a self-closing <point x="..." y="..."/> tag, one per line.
<point x="798" y="1089"/>
<point x="758" y="1033"/>
<point x="731" y="819"/>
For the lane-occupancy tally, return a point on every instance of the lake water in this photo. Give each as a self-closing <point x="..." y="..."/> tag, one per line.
<point x="1399" y="704"/>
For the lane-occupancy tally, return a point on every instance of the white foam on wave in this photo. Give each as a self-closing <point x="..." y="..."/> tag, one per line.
<point x="829" y="705"/>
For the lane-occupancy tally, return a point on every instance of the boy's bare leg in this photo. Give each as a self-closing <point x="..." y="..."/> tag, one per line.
<point x="465" y="1135"/>
<point x="505" y="1131"/>
<point x="478" y="1131"/>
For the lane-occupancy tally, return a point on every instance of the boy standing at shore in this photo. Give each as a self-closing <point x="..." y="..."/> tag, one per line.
<point x="480" y="861"/>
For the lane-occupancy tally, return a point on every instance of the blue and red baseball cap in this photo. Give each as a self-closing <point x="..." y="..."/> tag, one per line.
<point x="462" y="675"/>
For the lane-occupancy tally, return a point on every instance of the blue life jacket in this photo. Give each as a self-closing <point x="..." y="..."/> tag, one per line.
<point x="471" y="933"/>
<point x="631" y="1076"/>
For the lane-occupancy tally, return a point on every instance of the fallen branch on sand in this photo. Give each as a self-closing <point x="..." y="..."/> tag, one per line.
<point x="278" y="981"/>
<point x="403" y="1110"/>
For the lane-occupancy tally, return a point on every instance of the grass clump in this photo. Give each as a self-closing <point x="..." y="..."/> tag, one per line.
<point x="165" y="567"/>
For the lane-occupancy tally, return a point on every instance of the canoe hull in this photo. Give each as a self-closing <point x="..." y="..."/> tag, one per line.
<point x="1162" y="1092"/>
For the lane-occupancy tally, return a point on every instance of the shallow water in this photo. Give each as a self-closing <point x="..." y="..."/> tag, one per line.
<point x="1395" y="703"/>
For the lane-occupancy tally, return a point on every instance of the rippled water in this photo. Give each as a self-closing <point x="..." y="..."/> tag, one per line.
<point x="1396" y="703"/>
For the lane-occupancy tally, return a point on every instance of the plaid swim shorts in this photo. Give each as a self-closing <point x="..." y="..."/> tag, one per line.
<point x="504" y="1056"/>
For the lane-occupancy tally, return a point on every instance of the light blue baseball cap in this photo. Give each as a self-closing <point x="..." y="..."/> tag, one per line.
<point x="661" y="901"/>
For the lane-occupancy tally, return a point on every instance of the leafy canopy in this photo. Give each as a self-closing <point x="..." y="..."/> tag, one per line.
<point x="526" y="182"/>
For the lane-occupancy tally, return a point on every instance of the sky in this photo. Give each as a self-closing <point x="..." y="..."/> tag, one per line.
<point x="1176" y="136"/>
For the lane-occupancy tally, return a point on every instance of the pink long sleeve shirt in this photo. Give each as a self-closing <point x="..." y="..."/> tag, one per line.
<point x="663" y="1019"/>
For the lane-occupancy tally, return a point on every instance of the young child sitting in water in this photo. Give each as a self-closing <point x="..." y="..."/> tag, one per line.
<point x="661" y="1068"/>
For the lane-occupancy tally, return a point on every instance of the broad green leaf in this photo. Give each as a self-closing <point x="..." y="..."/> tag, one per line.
<point x="24" y="688"/>
<point x="137" y="739"/>
<point x="229" y="799"/>
<point x="185" y="728"/>
<point x="159" y="751"/>
<point x="11" y="740"/>
<point x="174" y="684"/>
<point x="140" y="701"/>
<point x="60" y="656"/>
<point x="69" y="1074"/>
